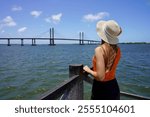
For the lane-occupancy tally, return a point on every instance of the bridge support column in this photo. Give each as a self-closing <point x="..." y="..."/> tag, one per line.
<point x="33" y="42"/>
<point x="22" y="42"/>
<point x="8" y="42"/>
<point x="51" y="41"/>
<point x="81" y="38"/>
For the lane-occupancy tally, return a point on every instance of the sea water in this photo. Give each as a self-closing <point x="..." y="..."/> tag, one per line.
<point x="26" y="72"/>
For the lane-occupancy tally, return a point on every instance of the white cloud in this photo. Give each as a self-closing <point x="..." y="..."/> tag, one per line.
<point x="8" y="21"/>
<point x="23" y="29"/>
<point x="54" y="18"/>
<point x="57" y="17"/>
<point x="95" y="17"/>
<point x="16" y="8"/>
<point x="36" y="13"/>
<point x="48" y="19"/>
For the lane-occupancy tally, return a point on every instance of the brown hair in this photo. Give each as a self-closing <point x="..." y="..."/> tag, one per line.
<point x="109" y="54"/>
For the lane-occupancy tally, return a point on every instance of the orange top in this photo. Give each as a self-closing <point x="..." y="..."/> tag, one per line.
<point x="111" y="74"/>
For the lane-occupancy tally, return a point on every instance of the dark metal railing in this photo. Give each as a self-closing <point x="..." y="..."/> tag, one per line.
<point x="73" y="89"/>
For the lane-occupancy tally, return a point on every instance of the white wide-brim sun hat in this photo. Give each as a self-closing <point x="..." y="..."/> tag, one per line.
<point x="108" y="31"/>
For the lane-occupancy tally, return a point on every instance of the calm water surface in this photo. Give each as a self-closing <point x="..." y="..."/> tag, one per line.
<point x="27" y="71"/>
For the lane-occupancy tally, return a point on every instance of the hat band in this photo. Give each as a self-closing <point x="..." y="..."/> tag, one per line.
<point x="109" y="34"/>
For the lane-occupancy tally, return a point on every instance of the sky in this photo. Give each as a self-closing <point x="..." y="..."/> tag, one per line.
<point x="34" y="18"/>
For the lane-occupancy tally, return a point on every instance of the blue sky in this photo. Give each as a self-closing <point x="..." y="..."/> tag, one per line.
<point x="33" y="18"/>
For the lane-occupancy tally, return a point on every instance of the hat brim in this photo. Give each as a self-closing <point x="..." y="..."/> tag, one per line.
<point x="100" y="27"/>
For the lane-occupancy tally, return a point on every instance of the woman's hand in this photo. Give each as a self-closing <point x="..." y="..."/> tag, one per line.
<point x="87" y="69"/>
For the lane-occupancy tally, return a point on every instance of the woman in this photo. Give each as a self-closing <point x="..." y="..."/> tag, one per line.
<point x="105" y="61"/>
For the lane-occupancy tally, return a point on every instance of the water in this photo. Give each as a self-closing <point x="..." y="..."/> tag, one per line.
<point x="134" y="69"/>
<point x="27" y="71"/>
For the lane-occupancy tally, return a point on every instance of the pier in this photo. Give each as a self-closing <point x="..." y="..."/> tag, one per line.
<point x="73" y="88"/>
<point x="81" y="40"/>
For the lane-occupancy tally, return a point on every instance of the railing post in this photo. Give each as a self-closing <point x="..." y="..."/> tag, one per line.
<point x="76" y="93"/>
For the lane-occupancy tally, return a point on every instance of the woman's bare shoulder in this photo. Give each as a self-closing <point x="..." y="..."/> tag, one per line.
<point x="99" y="48"/>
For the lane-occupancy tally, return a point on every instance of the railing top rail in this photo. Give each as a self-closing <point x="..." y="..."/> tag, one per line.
<point x="134" y="96"/>
<point x="58" y="91"/>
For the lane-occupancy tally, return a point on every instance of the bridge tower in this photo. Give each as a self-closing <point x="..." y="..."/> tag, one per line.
<point x="51" y="43"/>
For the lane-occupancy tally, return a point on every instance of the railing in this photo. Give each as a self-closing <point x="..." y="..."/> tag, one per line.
<point x="73" y="89"/>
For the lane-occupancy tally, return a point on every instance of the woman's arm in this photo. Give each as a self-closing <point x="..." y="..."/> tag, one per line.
<point x="100" y="63"/>
<point x="99" y="74"/>
<point x="88" y="70"/>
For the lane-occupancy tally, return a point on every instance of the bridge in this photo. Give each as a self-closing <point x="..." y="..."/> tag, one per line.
<point x="52" y="39"/>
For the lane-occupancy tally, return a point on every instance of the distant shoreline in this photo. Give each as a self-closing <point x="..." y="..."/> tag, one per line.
<point x="135" y="43"/>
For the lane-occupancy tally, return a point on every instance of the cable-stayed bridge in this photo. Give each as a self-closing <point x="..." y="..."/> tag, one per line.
<point x="52" y="39"/>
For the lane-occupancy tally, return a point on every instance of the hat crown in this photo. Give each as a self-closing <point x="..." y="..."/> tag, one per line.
<point x="108" y="31"/>
<point x="112" y="28"/>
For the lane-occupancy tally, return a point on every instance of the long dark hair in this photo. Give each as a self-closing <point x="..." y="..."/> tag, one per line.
<point x="108" y="53"/>
<point x="114" y="46"/>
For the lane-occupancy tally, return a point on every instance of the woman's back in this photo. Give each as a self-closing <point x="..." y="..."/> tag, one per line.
<point x="109" y="54"/>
